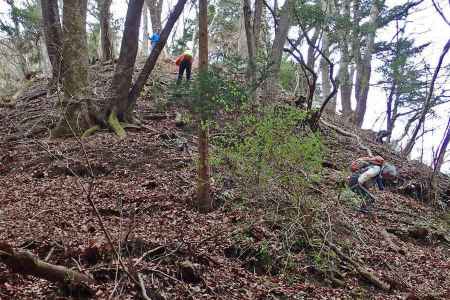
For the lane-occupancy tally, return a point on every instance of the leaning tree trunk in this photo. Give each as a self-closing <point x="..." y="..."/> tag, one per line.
<point x="152" y="59"/>
<point x="442" y="150"/>
<point x="121" y="82"/>
<point x="364" y="68"/>
<point x="105" y="29"/>
<point x="53" y="37"/>
<point x="203" y="201"/>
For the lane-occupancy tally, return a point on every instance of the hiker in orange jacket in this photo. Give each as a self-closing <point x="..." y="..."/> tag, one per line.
<point x="184" y="63"/>
<point x="366" y="169"/>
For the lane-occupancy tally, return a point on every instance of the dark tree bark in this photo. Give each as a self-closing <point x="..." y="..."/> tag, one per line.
<point x="427" y="105"/>
<point x="121" y="82"/>
<point x="203" y="202"/>
<point x="152" y="59"/>
<point x="53" y="36"/>
<point x="105" y="29"/>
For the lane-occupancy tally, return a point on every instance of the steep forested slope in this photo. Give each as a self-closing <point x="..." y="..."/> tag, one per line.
<point x="142" y="188"/>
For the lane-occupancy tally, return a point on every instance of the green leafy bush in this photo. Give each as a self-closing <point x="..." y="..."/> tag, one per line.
<point x="267" y="155"/>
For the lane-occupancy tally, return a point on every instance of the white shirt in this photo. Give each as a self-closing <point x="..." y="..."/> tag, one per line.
<point x="371" y="173"/>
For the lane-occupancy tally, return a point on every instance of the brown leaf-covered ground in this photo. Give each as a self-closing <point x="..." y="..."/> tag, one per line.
<point x="142" y="187"/>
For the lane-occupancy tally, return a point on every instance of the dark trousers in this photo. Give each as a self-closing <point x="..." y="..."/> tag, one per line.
<point x="184" y="65"/>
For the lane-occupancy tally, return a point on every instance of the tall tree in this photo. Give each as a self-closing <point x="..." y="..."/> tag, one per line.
<point x="155" y="8"/>
<point x="75" y="51"/>
<point x="250" y="38"/>
<point x="257" y="21"/>
<point x="203" y="201"/>
<point x="145" y="33"/>
<point x="121" y="82"/>
<point x="276" y="53"/>
<point x="364" y="65"/>
<point x="53" y="36"/>
<point x="105" y="29"/>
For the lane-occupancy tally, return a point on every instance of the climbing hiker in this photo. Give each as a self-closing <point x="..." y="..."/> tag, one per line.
<point x="184" y="63"/>
<point x="154" y="39"/>
<point x="366" y="170"/>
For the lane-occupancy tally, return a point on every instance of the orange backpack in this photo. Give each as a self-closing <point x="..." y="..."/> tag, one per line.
<point x="364" y="162"/>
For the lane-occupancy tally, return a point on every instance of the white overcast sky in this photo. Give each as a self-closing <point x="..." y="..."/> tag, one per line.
<point x="426" y="26"/>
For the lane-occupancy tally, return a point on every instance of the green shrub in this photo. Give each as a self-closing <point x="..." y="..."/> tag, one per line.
<point x="267" y="154"/>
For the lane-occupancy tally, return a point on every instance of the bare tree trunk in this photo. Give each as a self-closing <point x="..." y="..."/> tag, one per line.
<point x="277" y="48"/>
<point x="250" y="37"/>
<point x="155" y="8"/>
<point x="145" y="33"/>
<point x="325" y="72"/>
<point x="364" y="67"/>
<point x="53" y="36"/>
<point x="74" y="69"/>
<point x="121" y="82"/>
<point x="442" y="150"/>
<point x="257" y="17"/>
<point x="105" y="29"/>
<point x="75" y="52"/>
<point x="242" y="39"/>
<point x="203" y="186"/>
<point x="427" y="105"/>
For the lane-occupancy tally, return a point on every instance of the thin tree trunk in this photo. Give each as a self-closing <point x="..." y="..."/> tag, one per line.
<point x="203" y="186"/>
<point x="442" y="150"/>
<point x="123" y="74"/>
<point x="145" y="33"/>
<point x="364" y="68"/>
<point x="250" y="37"/>
<point x="427" y="105"/>
<point x="53" y="36"/>
<point x="325" y="72"/>
<point x="105" y="30"/>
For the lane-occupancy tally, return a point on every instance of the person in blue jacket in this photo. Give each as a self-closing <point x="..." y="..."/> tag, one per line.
<point x="154" y="39"/>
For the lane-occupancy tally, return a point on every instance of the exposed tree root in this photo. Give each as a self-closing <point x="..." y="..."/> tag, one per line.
<point x="361" y="270"/>
<point x="24" y="262"/>
<point x="391" y="243"/>
<point x="346" y="133"/>
<point x="115" y="125"/>
<point x="90" y="131"/>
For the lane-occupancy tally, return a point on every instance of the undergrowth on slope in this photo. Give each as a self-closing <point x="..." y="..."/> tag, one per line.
<point x="272" y="162"/>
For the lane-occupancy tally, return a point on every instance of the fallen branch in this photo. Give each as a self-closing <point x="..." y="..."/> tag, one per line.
<point x="346" y="133"/>
<point x="142" y="285"/>
<point x="24" y="262"/>
<point x="361" y="270"/>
